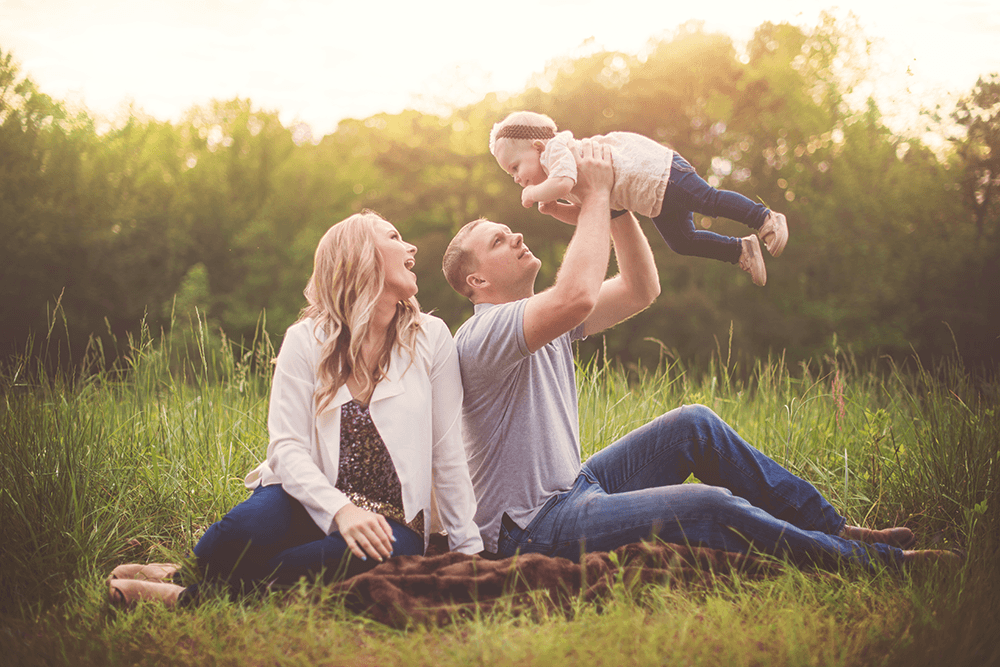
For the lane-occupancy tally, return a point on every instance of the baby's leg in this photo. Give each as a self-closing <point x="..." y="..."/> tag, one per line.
<point x="687" y="191"/>
<point x="676" y="226"/>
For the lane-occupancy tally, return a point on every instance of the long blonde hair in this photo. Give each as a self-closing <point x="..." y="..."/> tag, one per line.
<point x="347" y="282"/>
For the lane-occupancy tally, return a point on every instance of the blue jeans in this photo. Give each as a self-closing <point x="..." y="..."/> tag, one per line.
<point x="269" y="537"/>
<point x="632" y="490"/>
<point x="688" y="192"/>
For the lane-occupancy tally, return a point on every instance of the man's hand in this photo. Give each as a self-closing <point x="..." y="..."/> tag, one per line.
<point x="568" y="213"/>
<point x="365" y="532"/>
<point x="594" y="170"/>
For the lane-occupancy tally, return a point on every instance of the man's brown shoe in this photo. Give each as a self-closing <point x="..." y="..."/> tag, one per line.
<point x="930" y="556"/>
<point x="896" y="537"/>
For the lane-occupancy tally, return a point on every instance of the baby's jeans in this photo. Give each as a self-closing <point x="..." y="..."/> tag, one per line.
<point x="688" y="193"/>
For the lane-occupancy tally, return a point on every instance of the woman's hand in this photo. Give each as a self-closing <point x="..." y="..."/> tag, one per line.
<point x="366" y="533"/>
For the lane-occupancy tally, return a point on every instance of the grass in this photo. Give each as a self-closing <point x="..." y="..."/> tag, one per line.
<point x="107" y="465"/>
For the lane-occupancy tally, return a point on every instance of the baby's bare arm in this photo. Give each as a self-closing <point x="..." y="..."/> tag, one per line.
<point x="550" y="189"/>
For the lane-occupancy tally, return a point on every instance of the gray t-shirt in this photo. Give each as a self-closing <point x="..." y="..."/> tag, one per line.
<point x="519" y="418"/>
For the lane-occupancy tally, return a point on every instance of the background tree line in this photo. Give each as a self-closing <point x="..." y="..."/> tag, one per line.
<point x="893" y="247"/>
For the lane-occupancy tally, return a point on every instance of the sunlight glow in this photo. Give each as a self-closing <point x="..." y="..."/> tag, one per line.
<point x="318" y="62"/>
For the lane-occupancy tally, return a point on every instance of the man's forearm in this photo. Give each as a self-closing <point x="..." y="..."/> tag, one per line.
<point x="577" y="290"/>
<point x="635" y="259"/>
<point x="586" y="261"/>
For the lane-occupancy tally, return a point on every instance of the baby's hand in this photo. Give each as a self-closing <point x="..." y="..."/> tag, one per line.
<point x="526" y="200"/>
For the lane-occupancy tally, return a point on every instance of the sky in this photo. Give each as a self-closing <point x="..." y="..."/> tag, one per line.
<point x="320" y="61"/>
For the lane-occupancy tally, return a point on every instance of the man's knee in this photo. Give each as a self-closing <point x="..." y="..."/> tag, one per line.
<point x="695" y="417"/>
<point x="713" y="503"/>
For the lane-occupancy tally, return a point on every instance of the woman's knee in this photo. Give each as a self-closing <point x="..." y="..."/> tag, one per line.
<point x="263" y="518"/>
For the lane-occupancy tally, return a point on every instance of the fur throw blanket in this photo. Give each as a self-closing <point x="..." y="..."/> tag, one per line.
<point x="439" y="587"/>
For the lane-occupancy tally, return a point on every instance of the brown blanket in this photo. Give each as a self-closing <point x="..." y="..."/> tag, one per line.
<point x="435" y="589"/>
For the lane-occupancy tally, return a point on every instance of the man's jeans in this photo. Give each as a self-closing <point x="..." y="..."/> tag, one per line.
<point x="633" y="489"/>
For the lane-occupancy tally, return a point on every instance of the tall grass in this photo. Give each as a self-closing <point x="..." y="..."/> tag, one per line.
<point x="103" y="465"/>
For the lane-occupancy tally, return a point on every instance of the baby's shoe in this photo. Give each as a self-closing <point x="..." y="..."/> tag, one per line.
<point x="752" y="261"/>
<point x="774" y="233"/>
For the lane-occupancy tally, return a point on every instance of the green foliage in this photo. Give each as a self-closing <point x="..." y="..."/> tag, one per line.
<point x="131" y="465"/>
<point x="893" y="246"/>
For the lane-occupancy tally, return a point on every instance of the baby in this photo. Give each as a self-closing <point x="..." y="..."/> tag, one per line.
<point x="650" y="179"/>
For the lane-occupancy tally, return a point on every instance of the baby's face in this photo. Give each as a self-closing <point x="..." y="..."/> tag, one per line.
<point x="521" y="159"/>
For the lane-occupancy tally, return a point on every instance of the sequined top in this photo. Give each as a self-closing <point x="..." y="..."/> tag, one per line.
<point x="366" y="473"/>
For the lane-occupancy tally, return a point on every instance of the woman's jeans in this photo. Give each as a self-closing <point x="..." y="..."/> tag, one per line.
<point x="633" y="490"/>
<point x="270" y="538"/>
<point x="687" y="192"/>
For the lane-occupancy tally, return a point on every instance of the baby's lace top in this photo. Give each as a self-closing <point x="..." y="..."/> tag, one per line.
<point x="642" y="168"/>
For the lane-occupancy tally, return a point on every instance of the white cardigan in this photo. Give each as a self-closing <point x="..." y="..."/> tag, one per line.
<point x="417" y="409"/>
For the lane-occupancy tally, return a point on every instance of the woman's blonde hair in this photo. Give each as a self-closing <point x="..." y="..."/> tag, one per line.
<point x="347" y="282"/>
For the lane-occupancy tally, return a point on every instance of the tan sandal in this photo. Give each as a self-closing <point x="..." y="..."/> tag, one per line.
<point x="129" y="592"/>
<point x="162" y="572"/>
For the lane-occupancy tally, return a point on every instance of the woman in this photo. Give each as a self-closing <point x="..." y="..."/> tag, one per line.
<point x="364" y="419"/>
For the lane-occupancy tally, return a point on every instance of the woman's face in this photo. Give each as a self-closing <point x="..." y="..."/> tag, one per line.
<point x="398" y="259"/>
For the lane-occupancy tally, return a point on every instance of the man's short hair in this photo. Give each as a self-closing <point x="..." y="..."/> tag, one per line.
<point x="459" y="261"/>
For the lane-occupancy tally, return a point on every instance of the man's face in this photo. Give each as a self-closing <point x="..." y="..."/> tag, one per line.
<point x="502" y="259"/>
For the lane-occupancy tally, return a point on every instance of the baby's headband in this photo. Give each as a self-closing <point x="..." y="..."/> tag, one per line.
<point x="525" y="132"/>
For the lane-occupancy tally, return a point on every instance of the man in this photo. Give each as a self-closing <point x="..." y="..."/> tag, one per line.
<point x="520" y="419"/>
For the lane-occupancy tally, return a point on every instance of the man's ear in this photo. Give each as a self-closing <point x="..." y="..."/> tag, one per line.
<point x="476" y="281"/>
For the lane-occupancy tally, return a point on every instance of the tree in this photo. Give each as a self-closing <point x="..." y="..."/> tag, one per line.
<point x="45" y="214"/>
<point x="979" y="150"/>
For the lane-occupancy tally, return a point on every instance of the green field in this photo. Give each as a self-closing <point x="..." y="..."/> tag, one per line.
<point x="103" y="466"/>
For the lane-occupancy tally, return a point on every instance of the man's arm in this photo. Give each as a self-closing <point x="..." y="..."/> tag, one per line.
<point x="635" y="287"/>
<point x="575" y="293"/>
